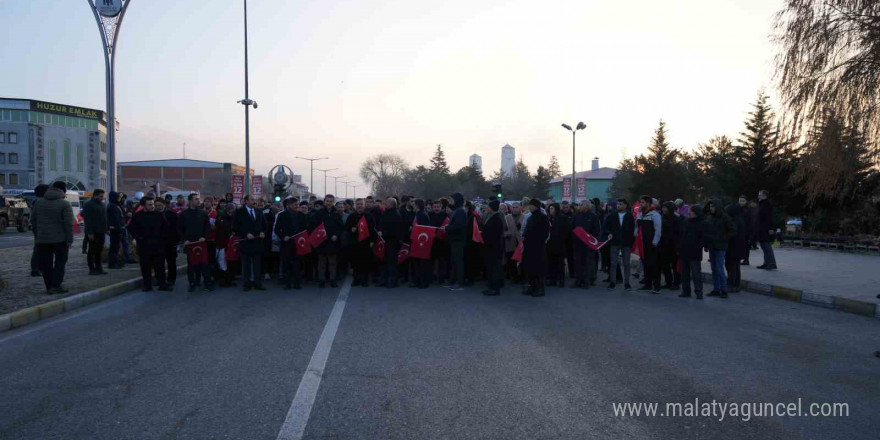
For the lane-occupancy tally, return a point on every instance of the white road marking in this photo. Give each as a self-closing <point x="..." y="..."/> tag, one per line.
<point x="298" y="415"/>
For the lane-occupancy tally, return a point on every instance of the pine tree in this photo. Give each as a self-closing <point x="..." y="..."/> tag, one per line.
<point x="541" y="188"/>
<point x="553" y="168"/>
<point x="438" y="162"/>
<point x="661" y="173"/>
<point x="758" y="149"/>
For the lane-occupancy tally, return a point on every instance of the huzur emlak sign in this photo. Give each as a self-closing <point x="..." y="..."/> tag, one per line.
<point x="67" y="110"/>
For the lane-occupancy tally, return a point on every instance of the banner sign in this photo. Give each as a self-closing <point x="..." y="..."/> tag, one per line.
<point x="581" y="188"/>
<point x="566" y="188"/>
<point x="66" y="110"/>
<point x="258" y="186"/>
<point x="237" y="188"/>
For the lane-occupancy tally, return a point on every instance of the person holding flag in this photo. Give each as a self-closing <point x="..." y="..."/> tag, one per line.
<point x="473" y="260"/>
<point x="456" y="232"/>
<point x="493" y="248"/>
<point x="390" y="230"/>
<point x="149" y="230"/>
<point x="620" y="228"/>
<point x="290" y="227"/>
<point x="440" y="251"/>
<point x="585" y="269"/>
<point x="325" y="239"/>
<point x="193" y="227"/>
<point x="422" y="239"/>
<point x="363" y="233"/>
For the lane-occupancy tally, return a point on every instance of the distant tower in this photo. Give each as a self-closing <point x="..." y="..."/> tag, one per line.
<point x="476" y="161"/>
<point x="508" y="159"/>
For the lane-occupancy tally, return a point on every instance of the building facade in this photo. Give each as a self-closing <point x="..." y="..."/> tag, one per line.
<point x="508" y="160"/>
<point x="476" y="161"/>
<point x="44" y="142"/>
<point x="209" y="178"/>
<point x="598" y="183"/>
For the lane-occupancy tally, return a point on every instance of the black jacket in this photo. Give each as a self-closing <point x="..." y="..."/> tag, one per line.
<point x="493" y="236"/>
<point x="172" y="236"/>
<point x="115" y="217"/>
<point x="534" y="260"/>
<point x="765" y="221"/>
<point x="718" y="228"/>
<point x="690" y="245"/>
<point x="244" y="224"/>
<point x="588" y="221"/>
<point x="288" y="225"/>
<point x="622" y="235"/>
<point x="192" y="224"/>
<point x="94" y="215"/>
<point x="150" y="230"/>
<point x="333" y="225"/>
<point x="560" y="232"/>
<point x="670" y="230"/>
<point x="738" y="244"/>
<point x="391" y="226"/>
<point x="456" y="230"/>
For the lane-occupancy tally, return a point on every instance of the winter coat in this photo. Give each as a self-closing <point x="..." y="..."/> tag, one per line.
<point x="738" y="244"/>
<point x="360" y="251"/>
<point x="94" y="215"/>
<point x="690" y="245"/>
<point x="149" y="228"/>
<point x="172" y="236"/>
<point x="244" y="224"/>
<point x="671" y="228"/>
<point x="560" y="231"/>
<point x="656" y="220"/>
<point x="622" y="234"/>
<point x="590" y="223"/>
<point x="333" y="225"/>
<point x="765" y="221"/>
<point x="456" y="229"/>
<point x="718" y="228"/>
<point x="534" y="261"/>
<point x="493" y="236"/>
<point x="115" y="216"/>
<point x="512" y="235"/>
<point x="192" y="224"/>
<point x="52" y="218"/>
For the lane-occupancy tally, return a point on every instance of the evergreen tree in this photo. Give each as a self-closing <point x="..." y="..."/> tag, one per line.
<point x="661" y="173"/>
<point x="712" y="175"/>
<point x="438" y="162"/>
<point x="553" y="168"/>
<point x="541" y="188"/>
<point x="759" y="150"/>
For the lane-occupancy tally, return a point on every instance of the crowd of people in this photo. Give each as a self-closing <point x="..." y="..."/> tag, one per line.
<point x="451" y="242"/>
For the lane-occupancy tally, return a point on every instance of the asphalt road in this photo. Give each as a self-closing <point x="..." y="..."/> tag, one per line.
<point x="12" y="238"/>
<point x="435" y="364"/>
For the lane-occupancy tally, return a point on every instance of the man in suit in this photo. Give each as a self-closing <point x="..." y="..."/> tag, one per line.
<point x="620" y="228"/>
<point x="289" y="223"/>
<point x="249" y="226"/>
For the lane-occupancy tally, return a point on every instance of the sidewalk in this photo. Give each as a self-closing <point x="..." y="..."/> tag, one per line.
<point x="838" y="274"/>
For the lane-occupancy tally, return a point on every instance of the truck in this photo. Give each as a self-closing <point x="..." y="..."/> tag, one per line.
<point x="14" y="211"/>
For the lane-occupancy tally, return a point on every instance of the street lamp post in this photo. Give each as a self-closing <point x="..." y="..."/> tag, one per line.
<point x="312" y="170"/>
<point x="336" y="184"/>
<point x="247" y="103"/>
<point x="355" y="190"/>
<point x="346" y="186"/>
<point x="580" y="126"/>
<point x="109" y="16"/>
<point x="325" y="178"/>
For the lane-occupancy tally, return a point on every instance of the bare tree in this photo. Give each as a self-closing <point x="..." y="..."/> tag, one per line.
<point x="385" y="173"/>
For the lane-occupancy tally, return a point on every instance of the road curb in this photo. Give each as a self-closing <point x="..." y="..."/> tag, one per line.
<point x="814" y="299"/>
<point x="30" y="315"/>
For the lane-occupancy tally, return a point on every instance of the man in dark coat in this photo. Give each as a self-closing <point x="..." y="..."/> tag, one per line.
<point x="94" y="215"/>
<point x="560" y="232"/>
<point x="585" y="259"/>
<point x="171" y="240"/>
<point x="668" y="250"/>
<point x="748" y="220"/>
<point x="493" y="248"/>
<point x="288" y="224"/>
<point x="440" y="249"/>
<point x="716" y="233"/>
<point x="765" y="230"/>
<point x="421" y="268"/>
<point x="249" y="227"/>
<point x="568" y="213"/>
<point x="52" y="221"/>
<point x="149" y="228"/>
<point x="327" y="215"/>
<point x="456" y="234"/>
<point x="737" y="247"/>
<point x="620" y="227"/>
<point x="115" y="227"/>
<point x="391" y="231"/>
<point x="690" y="248"/>
<point x="360" y="252"/>
<point x="407" y="216"/>
<point x="534" y="261"/>
<point x="192" y="227"/>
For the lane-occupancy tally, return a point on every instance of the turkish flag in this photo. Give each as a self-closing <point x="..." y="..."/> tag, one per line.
<point x="379" y="250"/>
<point x="197" y="252"/>
<point x="233" y="252"/>
<point x="422" y="241"/>
<point x="517" y="254"/>
<point x="403" y="253"/>
<point x="477" y="235"/>
<point x="441" y="233"/>
<point x="318" y="236"/>
<point x="588" y="239"/>
<point x="363" y="228"/>
<point x="637" y="246"/>
<point x="301" y="241"/>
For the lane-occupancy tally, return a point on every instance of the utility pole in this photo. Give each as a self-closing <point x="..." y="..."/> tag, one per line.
<point x="335" y="185"/>
<point x="325" y="177"/>
<point x="247" y="103"/>
<point x="580" y="126"/>
<point x="312" y="171"/>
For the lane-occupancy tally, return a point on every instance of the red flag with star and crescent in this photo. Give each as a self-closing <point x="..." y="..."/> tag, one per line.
<point x="517" y="254"/>
<point x="441" y="233"/>
<point x="403" y="253"/>
<point x="477" y="236"/>
<point x="588" y="239"/>
<point x="318" y="236"/>
<point x="422" y="241"/>
<point x="363" y="229"/>
<point x="197" y="252"/>
<point x="379" y="250"/>
<point x="637" y="246"/>
<point x="233" y="249"/>
<point x="301" y="241"/>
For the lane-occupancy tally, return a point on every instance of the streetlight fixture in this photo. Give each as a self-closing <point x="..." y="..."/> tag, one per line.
<point x="325" y="178"/>
<point x="580" y="126"/>
<point x="247" y="103"/>
<point x="346" y="186"/>
<point x="335" y="184"/>
<point x="312" y="170"/>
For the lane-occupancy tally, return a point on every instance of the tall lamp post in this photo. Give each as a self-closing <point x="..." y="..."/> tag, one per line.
<point x="325" y="177"/>
<point x="336" y="184"/>
<point x="580" y="126"/>
<point x="109" y="16"/>
<point x="247" y="103"/>
<point x="312" y="170"/>
<point x="346" y="186"/>
<point x="355" y="190"/>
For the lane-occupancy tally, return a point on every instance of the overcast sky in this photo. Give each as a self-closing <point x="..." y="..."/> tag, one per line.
<point x="347" y="79"/>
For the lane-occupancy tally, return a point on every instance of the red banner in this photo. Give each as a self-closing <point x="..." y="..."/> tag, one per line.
<point x="237" y="188"/>
<point x="197" y="252"/>
<point x="233" y="252"/>
<point x="379" y="250"/>
<point x="566" y="188"/>
<point x="363" y="228"/>
<point x="403" y="253"/>
<point x="441" y="233"/>
<point x="588" y="239"/>
<point x="581" y="188"/>
<point x="517" y="254"/>
<point x="318" y="236"/>
<point x="637" y="246"/>
<point x="422" y="241"/>
<point x="258" y="186"/>
<point x="477" y="236"/>
<point x="301" y="241"/>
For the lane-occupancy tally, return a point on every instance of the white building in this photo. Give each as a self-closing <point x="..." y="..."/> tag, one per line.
<point x="508" y="159"/>
<point x="476" y="161"/>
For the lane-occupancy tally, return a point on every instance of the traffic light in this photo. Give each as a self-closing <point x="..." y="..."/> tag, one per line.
<point x="496" y="188"/>
<point x="279" y="192"/>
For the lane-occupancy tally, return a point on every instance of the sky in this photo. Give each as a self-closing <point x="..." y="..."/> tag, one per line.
<point x="348" y="79"/>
